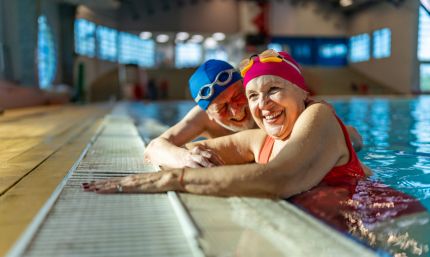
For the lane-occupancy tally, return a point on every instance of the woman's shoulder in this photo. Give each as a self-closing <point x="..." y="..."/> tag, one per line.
<point x="253" y="138"/>
<point x="318" y="118"/>
<point x="320" y="110"/>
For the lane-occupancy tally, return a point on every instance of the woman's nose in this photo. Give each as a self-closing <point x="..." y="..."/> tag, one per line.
<point x="236" y="108"/>
<point x="263" y="102"/>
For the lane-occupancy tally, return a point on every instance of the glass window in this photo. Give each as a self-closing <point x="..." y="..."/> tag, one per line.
<point x="332" y="50"/>
<point x="46" y="54"/>
<point x="188" y="55"/>
<point x="85" y="42"/>
<point x="134" y="50"/>
<point x="332" y="53"/>
<point x="359" y="46"/>
<point x="382" y="43"/>
<point x="425" y="77"/>
<point x="302" y="52"/>
<point x="107" y="43"/>
<point x="424" y="35"/>
<point x="275" y="46"/>
<point x="218" y="53"/>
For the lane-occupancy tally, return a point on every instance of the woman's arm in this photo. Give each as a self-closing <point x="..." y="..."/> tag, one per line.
<point x="167" y="151"/>
<point x="238" y="148"/>
<point x="315" y="146"/>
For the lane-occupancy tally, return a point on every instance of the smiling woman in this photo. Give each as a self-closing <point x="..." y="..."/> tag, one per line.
<point x="305" y="144"/>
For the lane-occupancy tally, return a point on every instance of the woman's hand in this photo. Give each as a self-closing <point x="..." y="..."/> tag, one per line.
<point x="201" y="156"/>
<point x="356" y="139"/>
<point x="139" y="183"/>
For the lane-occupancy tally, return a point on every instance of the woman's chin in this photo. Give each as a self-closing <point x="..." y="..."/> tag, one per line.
<point x="277" y="133"/>
<point x="273" y="132"/>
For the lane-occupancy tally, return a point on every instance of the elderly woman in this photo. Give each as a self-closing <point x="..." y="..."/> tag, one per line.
<point x="298" y="146"/>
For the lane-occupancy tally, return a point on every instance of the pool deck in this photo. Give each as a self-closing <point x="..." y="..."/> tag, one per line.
<point x="47" y="151"/>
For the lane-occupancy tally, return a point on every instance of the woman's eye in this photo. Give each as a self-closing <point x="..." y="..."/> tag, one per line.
<point x="252" y="96"/>
<point x="221" y="109"/>
<point x="273" y="90"/>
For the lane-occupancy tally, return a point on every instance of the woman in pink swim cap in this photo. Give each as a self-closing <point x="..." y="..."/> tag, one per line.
<point x="304" y="144"/>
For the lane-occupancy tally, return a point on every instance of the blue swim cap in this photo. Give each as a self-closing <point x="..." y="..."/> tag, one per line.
<point x="206" y="74"/>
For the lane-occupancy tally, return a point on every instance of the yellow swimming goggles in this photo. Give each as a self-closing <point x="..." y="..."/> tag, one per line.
<point x="269" y="55"/>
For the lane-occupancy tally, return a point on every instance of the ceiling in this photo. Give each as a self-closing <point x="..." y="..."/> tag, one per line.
<point x="138" y="8"/>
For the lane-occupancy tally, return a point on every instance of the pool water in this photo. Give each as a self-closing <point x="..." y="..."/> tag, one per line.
<point x="396" y="135"/>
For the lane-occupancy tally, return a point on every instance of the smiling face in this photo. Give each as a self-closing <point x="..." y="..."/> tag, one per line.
<point x="230" y="109"/>
<point x="275" y="104"/>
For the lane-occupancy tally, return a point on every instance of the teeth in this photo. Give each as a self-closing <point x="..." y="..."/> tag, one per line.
<point x="274" y="115"/>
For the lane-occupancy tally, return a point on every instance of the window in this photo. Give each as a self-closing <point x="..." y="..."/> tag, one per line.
<point x="424" y="35"/>
<point x="425" y="77"/>
<point x="218" y="53"/>
<point x="46" y="55"/>
<point x="382" y="43"/>
<point x="332" y="52"/>
<point x="85" y="42"/>
<point x="423" y="49"/>
<point x="359" y="48"/>
<point x="188" y="55"/>
<point x="107" y="43"/>
<point x="275" y="46"/>
<point x="302" y="52"/>
<point x="134" y="50"/>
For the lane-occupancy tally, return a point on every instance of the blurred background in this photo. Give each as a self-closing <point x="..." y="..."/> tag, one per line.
<point x="57" y="51"/>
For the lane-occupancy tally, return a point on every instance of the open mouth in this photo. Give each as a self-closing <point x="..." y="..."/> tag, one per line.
<point x="272" y="116"/>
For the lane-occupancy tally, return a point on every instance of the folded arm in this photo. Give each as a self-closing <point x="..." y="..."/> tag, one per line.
<point x="167" y="150"/>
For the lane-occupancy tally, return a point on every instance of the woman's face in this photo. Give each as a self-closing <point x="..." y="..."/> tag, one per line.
<point x="275" y="104"/>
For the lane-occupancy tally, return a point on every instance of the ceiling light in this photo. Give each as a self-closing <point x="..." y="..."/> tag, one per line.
<point x="145" y="35"/>
<point x="345" y="3"/>
<point x="182" y="36"/>
<point x="210" y="43"/>
<point x="218" y="36"/>
<point x="162" y="38"/>
<point x="196" y="39"/>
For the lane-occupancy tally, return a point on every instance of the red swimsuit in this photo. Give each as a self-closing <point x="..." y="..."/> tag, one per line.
<point x="344" y="195"/>
<point x="352" y="169"/>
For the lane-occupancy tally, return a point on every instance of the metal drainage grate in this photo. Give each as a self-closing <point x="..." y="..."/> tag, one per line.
<point x="76" y="223"/>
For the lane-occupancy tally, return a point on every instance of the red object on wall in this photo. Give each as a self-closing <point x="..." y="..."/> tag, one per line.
<point x="260" y="21"/>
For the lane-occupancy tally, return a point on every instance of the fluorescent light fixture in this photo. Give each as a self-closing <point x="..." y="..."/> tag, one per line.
<point x="196" y="39"/>
<point x="210" y="43"/>
<point x="218" y="36"/>
<point x="345" y="3"/>
<point x="145" y="35"/>
<point x="162" y="38"/>
<point x="182" y="36"/>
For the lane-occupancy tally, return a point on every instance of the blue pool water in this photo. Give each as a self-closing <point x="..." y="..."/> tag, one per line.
<point x="396" y="134"/>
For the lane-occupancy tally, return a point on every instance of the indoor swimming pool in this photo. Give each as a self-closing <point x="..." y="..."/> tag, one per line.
<point x="390" y="211"/>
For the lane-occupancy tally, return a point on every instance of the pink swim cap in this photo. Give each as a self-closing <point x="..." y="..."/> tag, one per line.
<point x="288" y="69"/>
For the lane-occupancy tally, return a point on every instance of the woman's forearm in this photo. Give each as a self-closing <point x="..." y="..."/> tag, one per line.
<point x="235" y="180"/>
<point x="161" y="152"/>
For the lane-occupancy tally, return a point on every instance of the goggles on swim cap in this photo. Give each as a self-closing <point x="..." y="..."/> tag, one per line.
<point x="222" y="79"/>
<point x="270" y="62"/>
<point x="211" y="79"/>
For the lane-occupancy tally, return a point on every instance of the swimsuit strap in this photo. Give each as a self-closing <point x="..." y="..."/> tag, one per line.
<point x="266" y="150"/>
